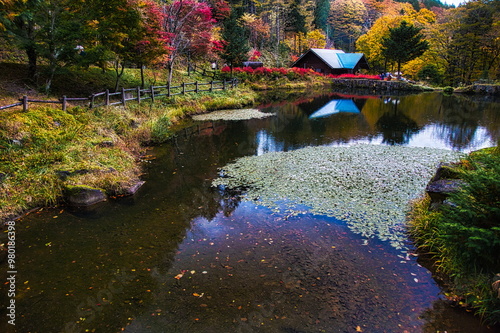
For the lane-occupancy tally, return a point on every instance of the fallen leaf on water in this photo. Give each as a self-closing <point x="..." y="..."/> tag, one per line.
<point x="198" y="295"/>
<point x="358" y="329"/>
<point x="178" y="276"/>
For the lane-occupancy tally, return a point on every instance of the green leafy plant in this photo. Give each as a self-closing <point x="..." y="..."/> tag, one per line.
<point x="464" y="235"/>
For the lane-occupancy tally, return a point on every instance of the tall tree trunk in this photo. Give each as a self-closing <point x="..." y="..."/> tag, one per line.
<point x="32" y="58"/>
<point x="119" y="69"/>
<point x="48" y="83"/>
<point x="142" y="76"/>
<point x="170" y="67"/>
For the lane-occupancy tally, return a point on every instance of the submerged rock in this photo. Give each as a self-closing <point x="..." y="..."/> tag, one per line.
<point x="81" y="195"/>
<point x="134" y="188"/>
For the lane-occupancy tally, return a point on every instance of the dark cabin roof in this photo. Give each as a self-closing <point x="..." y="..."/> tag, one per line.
<point x="336" y="59"/>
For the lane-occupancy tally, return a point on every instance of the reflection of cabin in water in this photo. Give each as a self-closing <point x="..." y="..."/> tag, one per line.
<point x="329" y="61"/>
<point x="336" y="106"/>
<point x="331" y="104"/>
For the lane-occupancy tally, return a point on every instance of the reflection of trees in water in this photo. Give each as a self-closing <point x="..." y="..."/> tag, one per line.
<point x="195" y="159"/>
<point x="459" y="136"/>
<point x="460" y="124"/>
<point x="396" y="127"/>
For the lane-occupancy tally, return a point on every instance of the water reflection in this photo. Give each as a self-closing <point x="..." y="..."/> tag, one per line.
<point x="336" y="106"/>
<point x="431" y="120"/>
<point x="395" y="126"/>
<point x="266" y="143"/>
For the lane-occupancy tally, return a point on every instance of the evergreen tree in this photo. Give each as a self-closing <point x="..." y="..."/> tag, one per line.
<point x="296" y="21"/>
<point x="404" y="43"/>
<point x="321" y="12"/>
<point x="235" y="36"/>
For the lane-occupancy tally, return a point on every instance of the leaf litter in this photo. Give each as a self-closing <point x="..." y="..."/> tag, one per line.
<point x="367" y="186"/>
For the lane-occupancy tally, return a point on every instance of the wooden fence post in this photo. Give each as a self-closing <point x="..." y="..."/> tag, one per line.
<point x="25" y="103"/>
<point x="211" y="86"/>
<point x="123" y="96"/>
<point x="64" y="103"/>
<point x="183" y="88"/>
<point x="138" y="95"/>
<point x="152" y="94"/>
<point x="168" y="89"/>
<point x="107" y="97"/>
<point x="224" y="84"/>
<point x="92" y="98"/>
<point x="196" y="87"/>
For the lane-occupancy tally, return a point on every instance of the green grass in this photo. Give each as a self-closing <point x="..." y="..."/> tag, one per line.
<point x="43" y="144"/>
<point x="45" y="150"/>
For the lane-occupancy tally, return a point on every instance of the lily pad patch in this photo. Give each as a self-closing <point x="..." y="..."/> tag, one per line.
<point x="368" y="186"/>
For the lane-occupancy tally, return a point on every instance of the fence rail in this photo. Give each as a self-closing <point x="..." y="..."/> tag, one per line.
<point x="131" y="94"/>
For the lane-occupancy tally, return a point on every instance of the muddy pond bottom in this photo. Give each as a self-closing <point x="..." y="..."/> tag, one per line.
<point x="251" y="270"/>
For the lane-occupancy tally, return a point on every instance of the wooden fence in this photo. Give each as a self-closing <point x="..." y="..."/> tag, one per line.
<point x="132" y="94"/>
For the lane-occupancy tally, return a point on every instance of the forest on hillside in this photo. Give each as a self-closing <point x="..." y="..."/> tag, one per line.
<point x="462" y="44"/>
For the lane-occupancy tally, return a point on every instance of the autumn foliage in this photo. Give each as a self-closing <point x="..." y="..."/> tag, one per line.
<point x="462" y="42"/>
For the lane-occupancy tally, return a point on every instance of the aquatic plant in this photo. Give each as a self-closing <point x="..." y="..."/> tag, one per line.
<point x="368" y="186"/>
<point x="241" y="114"/>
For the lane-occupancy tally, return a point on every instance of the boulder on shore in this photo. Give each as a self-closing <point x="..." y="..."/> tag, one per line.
<point x="444" y="182"/>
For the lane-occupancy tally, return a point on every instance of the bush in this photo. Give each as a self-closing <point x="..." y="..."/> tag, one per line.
<point x="448" y="90"/>
<point x="465" y="233"/>
<point x="431" y="74"/>
<point x="471" y="224"/>
<point x="292" y="74"/>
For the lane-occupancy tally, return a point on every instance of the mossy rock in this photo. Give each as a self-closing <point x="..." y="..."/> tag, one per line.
<point x="82" y="195"/>
<point x="446" y="171"/>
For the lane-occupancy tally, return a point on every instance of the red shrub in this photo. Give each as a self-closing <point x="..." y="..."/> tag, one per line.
<point x="275" y="72"/>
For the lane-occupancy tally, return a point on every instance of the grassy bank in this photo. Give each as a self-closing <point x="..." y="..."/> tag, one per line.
<point x="45" y="150"/>
<point x="463" y="236"/>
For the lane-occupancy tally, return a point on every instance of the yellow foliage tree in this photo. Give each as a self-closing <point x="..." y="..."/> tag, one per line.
<point x="315" y="39"/>
<point x="370" y="44"/>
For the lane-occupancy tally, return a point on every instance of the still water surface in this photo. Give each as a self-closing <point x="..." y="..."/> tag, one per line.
<point x="182" y="256"/>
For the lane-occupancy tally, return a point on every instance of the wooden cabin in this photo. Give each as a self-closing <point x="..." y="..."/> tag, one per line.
<point x="330" y="61"/>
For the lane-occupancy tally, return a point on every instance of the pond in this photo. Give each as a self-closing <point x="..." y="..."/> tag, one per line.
<point x="183" y="255"/>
